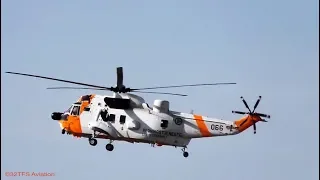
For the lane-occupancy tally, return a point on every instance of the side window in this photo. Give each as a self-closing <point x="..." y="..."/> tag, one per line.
<point x="75" y="110"/>
<point x="111" y="117"/>
<point x="164" y="124"/>
<point x="104" y="116"/>
<point x="122" y="119"/>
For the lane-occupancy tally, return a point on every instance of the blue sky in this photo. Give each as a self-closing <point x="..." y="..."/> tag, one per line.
<point x="270" y="48"/>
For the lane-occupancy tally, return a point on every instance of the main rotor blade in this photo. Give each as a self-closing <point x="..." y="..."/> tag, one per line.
<point x="161" y="93"/>
<point x="161" y="87"/>
<point x="105" y="89"/>
<point x="119" y="77"/>
<point x="61" y="80"/>
<point x="76" y="88"/>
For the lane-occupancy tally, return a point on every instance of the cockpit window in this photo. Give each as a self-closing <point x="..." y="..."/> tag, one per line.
<point x="75" y="111"/>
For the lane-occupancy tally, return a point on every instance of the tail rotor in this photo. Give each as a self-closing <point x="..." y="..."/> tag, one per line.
<point x="252" y="113"/>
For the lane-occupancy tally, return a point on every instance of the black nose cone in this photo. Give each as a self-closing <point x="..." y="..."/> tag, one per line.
<point x="56" y="116"/>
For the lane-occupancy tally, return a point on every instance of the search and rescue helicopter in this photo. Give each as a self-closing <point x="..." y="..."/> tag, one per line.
<point x="127" y="117"/>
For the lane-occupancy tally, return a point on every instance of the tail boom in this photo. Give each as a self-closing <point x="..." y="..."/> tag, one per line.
<point x="246" y="122"/>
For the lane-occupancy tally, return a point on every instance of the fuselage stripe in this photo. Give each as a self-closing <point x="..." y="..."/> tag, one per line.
<point x="202" y="126"/>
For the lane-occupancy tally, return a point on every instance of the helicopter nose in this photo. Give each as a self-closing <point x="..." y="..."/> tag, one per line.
<point x="56" y="116"/>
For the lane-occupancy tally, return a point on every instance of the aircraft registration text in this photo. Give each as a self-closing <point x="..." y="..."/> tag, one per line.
<point x="216" y="127"/>
<point x="159" y="133"/>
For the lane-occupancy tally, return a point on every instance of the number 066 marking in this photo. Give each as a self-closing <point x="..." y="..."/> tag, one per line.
<point x="217" y="127"/>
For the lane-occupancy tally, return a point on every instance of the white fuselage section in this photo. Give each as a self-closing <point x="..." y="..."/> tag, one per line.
<point x="149" y="125"/>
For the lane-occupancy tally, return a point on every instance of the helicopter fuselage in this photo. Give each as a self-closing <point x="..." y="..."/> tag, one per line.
<point x="155" y="125"/>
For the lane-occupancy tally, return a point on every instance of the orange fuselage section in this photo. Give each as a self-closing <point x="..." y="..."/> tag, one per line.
<point x="72" y="124"/>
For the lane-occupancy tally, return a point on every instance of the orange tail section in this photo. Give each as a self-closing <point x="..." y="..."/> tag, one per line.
<point x="247" y="121"/>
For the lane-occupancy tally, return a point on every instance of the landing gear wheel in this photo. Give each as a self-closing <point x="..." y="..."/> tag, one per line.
<point x="185" y="154"/>
<point x="109" y="147"/>
<point x="93" y="141"/>
<point x="63" y="131"/>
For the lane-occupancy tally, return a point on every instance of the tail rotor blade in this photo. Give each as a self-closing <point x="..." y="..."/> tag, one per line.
<point x="256" y="105"/>
<point x="252" y="114"/>
<point x="263" y="115"/>
<point x="245" y="103"/>
<point x="239" y="112"/>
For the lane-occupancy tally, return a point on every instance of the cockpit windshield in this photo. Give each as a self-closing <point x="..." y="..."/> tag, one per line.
<point x="76" y="110"/>
<point x="69" y="109"/>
